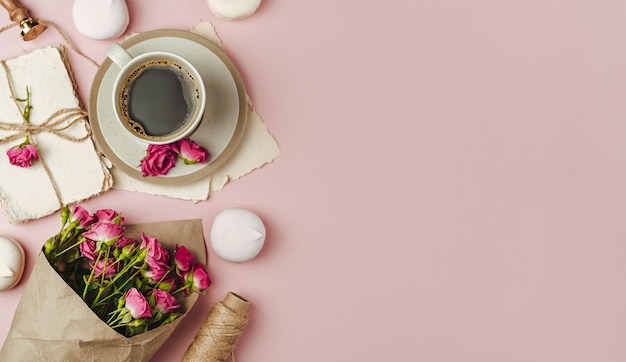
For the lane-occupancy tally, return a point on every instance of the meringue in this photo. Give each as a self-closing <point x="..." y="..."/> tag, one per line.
<point x="237" y="235"/>
<point x="233" y="9"/>
<point x="12" y="261"/>
<point x="100" y="19"/>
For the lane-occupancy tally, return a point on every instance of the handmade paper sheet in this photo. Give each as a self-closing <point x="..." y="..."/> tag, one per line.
<point x="68" y="171"/>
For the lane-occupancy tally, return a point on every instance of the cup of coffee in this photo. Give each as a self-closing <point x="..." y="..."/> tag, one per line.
<point x="159" y="97"/>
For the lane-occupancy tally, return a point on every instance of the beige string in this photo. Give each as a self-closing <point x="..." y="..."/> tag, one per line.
<point x="65" y="39"/>
<point x="218" y="334"/>
<point x="61" y="33"/>
<point x="7" y="27"/>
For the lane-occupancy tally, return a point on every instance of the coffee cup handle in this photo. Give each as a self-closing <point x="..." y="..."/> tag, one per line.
<point x="118" y="55"/>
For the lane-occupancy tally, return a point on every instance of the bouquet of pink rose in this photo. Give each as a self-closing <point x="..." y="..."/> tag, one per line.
<point x="129" y="284"/>
<point x="130" y="287"/>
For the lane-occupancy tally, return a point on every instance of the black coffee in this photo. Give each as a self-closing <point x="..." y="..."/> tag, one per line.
<point x="158" y="98"/>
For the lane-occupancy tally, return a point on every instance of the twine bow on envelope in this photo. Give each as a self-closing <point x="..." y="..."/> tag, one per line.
<point x="56" y="124"/>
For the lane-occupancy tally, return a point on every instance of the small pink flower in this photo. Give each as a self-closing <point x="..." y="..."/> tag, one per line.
<point x="191" y="152"/>
<point x="81" y="217"/>
<point x="137" y="304"/>
<point x="104" y="267"/>
<point x="109" y="215"/>
<point x="125" y="247"/>
<point x="156" y="273"/>
<point x="163" y="301"/>
<point x="159" y="160"/>
<point x="183" y="258"/>
<point x="23" y="155"/>
<point x="197" y="278"/>
<point x="104" y="232"/>
<point x="157" y="255"/>
<point x="124" y="241"/>
<point x="88" y="249"/>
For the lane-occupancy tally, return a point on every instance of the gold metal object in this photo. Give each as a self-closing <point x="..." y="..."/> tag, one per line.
<point x="17" y="13"/>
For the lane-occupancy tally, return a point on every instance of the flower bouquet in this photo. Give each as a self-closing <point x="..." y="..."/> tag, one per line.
<point x="104" y="290"/>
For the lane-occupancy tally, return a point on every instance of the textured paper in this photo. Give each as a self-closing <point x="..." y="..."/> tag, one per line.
<point x="52" y="323"/>
<point x="256" y="148"/>
<point x="75" y="167"/>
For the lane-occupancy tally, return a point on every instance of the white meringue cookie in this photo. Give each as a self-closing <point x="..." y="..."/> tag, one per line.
<point x="100" y="19"/>
<point x="237" y="235"/>
<point x="233" y="9"/>
<point x="12" y="261"/>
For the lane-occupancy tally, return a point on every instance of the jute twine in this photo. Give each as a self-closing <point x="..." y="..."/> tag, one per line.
<point x="220" y="331"/>
<point x="60" y="32"/>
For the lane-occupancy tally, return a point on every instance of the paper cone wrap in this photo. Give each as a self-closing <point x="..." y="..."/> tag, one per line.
<point x="53" y="323"/>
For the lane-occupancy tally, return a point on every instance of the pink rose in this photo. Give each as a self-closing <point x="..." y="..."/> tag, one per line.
<point x="125" y="247"/>
<point x="159" y="160"/>
<point x="197" y="279"/>
<point x="109" y="215"/>
<point x="124" y="241"/>
<point x="81" y="217"/>
<point x="104" y="268"/>
<point x="104" y="232"/>
<point x="157" y="255"/>
<point x="88" y="249"/>
<point x="156" y="273"/>
<point x="23" y="155"/>
<point x="163" y="301"/>
<point x="191" y="152"/>
<point x="137" y="304"/>
<point x="183" y="258"/>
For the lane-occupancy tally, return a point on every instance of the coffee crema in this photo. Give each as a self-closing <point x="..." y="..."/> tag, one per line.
<point x="158" y="100"/>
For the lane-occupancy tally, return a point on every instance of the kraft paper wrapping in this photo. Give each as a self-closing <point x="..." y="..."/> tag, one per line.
<point x="53" y="323"/>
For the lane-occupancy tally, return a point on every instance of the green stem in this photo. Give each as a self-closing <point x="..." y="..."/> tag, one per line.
<point x="27" y="108"/>
<point x="118" y="289"/>
<point x="91" y="275"/>
<point x="68" y="248"/>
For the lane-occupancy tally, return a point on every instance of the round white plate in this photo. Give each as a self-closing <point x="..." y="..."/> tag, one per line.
<point x="224" y="118"/>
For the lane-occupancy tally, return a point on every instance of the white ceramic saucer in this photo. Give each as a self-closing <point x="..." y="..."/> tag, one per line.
<point x="224" y="118"/>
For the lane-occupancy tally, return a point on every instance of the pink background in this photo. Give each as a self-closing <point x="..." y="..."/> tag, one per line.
<point x="452" y="183"/>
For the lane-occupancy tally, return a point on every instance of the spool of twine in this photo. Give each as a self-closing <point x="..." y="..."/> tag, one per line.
<point x="220" y="331"/>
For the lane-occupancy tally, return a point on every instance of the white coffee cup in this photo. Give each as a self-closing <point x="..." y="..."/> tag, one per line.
<point x="159" y="97"/>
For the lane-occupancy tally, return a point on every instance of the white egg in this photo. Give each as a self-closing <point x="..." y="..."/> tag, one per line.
<point x="233" y="9"/>
<point x="100" y="19"/>
<point x="237" y="235"/>
<point x="12" y="260"/>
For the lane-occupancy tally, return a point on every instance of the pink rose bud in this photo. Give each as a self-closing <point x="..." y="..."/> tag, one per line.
<point x="23" y="155"/>
<point x="137" y="304"/>
<point x="88" y="249"/>
<point x="157" y="255"/>
<point x="124" y="241"/>
<point x="163" y="301"/>
<point x="109" y="215"/>
<point x="158" y="161"/>
<point x="183" y="258"/>
<point x="104" y="232"/>
<point x="156" y="273"/>
<point x="197" y="278"/>
<point x="191" y="152"/>
<point x="80" y="217"/>
<point x="104" y="268"/>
